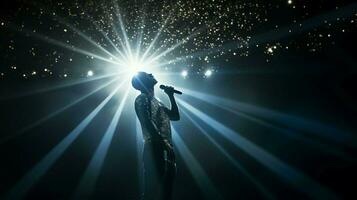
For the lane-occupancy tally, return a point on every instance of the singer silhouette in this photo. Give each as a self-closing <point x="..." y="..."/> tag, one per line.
<point x="158" y="156"/>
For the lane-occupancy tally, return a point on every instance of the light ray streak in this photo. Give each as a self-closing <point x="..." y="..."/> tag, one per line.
<point x="154" y="54"/>
<point x="138" y="44"/>
<point x="127" y="41"/>
<point x="23" y="186"/>
<point x="287" y="173"/>
<point x="235" y="163"/>
<point x="61" y="44"/>
<point x="106" y="36"/>
<point x="47" y="89"/>
<point x="122" y="27"/>
<point x="139" y="40"/>
<point x="140" y="149"/>
<point x="91" y="174"/>
<point x="198" y="173"/>
<point x="116" y="34"/>
<point x="292" y="134"/>
<point x="308" y="24"/>
<point x="114" y="28"/>
<point x="172" y="61"/>
<point x="155" y="38"/>
<point x="183" y="41"/>
<point x="84" y="36"/>
<point x="322" y="130"/>
<point x="50" y="116"/>
<point x="288" y="31"/>
<point x="167" y="73"/>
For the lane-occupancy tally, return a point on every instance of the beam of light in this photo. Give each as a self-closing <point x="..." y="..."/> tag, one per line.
<point x="183" y="41"/>
<point x="126" y="39"/>
<point x="55" y="113"/>
<point x="140" y="36"/>
<point x="213" y="100"/>
<point x="273" y="35"/>
<point x="23" y="186"/>
<point x="153" y="54"/>
<point x="325" y="131"/>
<point x="155" y="38"/>
<point x="172" y="61"/>
<point x="48" y="89"/>
<point x="236" y="164"/>
<point x="198" y="173"/>
<point x="117" y="35"/>
<point x="293" y="134"/>
<point x="91" y="174"/>
<point x="139" y="149"/>
<point x="122" y="27"/>
<point x="61" y="44"/>
<point x="287" y="173"/>
<point x="84" y="36"/>
<point x="105" y="35"/>
<point x="131" y="61"/>
<point x="138" y="44"/>
<point x="165" y="73"/>
<point x="306" y="25"/>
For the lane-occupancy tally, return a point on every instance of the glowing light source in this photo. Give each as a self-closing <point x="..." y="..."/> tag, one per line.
<point x="208" y="73"/>
<point x="184" y="73"/>
<point x="90" y="73"/>
<point x="134" y="66"/>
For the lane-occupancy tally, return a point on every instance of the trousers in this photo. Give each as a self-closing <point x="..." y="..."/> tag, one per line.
<point x="159" y="170"/>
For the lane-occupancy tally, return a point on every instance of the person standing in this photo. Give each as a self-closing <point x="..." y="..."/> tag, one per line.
<point x="158" y="156"/>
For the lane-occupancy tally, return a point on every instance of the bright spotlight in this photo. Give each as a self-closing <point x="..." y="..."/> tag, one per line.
<point x="90" y="73"/>
<point x="135" y="64"/>
<point x="133" y="70"/>
<point x="184" y="73"/>
<point x="208" y="73"/>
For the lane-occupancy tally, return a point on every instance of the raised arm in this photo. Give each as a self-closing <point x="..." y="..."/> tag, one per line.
<point x="173" y="112"/>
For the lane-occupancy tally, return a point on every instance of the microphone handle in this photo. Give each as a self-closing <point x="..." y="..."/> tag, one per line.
<point x="177" y="92"/>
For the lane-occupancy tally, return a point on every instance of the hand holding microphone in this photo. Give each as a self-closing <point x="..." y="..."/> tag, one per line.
<point x="169" y="90"/>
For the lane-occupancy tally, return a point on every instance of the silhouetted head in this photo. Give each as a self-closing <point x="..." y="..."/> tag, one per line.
<point x="143" y="81"/>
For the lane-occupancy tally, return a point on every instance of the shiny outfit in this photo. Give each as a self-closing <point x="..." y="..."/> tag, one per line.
<point x="158" y="156"/>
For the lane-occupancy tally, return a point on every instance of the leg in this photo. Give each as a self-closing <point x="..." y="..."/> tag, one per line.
<point x="170" y="172"/>
<point x="154" y="164"/>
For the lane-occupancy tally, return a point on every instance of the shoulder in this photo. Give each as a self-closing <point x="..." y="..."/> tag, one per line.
<point x="141" y="99"/>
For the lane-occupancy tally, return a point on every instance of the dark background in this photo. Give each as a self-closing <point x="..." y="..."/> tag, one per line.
<point x="318" y="87"/>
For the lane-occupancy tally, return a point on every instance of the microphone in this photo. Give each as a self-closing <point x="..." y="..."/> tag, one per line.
<point x="163" y="87"/>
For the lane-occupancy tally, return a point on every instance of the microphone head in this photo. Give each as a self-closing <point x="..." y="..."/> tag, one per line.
<point x="162" y="87"/>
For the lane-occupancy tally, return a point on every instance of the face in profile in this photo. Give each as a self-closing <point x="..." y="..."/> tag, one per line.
<point x="151" y="79"/>
<point x="143" y="81"/>
<point x="147" y="79"/>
